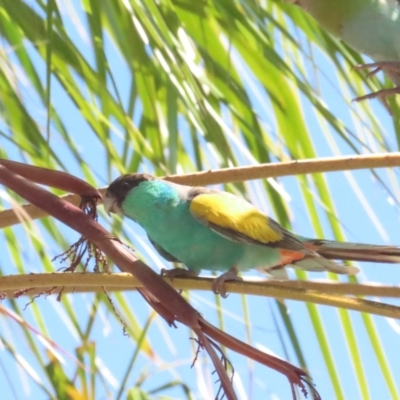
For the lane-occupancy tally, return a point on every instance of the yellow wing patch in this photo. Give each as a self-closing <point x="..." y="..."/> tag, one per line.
<point x="233" y="213"/>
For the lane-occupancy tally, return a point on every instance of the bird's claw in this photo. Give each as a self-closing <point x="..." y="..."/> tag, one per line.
<point x="218" y="283"/>
<point x="381" y="95"/>
<point x="386" y="66"/>
<point x="392" y="68"/>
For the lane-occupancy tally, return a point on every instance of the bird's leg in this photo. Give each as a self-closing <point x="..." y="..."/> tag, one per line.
<point x="392" y="68"/>
<point x="179" y="273"/>
<point x="218" y="283"/>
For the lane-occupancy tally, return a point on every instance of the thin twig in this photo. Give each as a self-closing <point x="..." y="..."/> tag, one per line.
<point x="290" y="168"/>
<point x="239" y="174"/>
<point x="332" y="294"/>
<point x="121" y="281"/>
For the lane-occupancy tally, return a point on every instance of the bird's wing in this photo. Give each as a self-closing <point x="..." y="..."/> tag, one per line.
<point x="237" y="220"/>
<point x="163" y="253"/>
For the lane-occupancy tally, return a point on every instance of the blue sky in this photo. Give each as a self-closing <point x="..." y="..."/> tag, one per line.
<point x="378" y="225"/>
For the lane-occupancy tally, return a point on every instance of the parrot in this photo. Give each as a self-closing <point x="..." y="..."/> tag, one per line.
<point x="209" y="229"/>
<point x="371" y="27"/>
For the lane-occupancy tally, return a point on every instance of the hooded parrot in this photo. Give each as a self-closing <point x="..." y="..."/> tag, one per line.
<point x="371" y="27"/>
<point x="208" y="229"/>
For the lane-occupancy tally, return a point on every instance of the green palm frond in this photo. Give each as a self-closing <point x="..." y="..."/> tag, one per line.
<point x="99" y="88"/>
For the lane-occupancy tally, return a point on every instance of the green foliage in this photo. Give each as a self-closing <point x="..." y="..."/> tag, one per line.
<point x="99" y="88"/>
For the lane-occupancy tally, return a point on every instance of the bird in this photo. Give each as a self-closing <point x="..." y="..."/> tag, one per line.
<point x="209" y="229"/>
<point x="371" y="27"/>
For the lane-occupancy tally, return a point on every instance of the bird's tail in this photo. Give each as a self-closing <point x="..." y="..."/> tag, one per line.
<point x="325" y="251"/>
<point x="333" y="250"/>
<point x="324" y="264"/>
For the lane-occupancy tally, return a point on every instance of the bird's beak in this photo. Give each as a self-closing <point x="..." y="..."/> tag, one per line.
<point x="110" y="204"/>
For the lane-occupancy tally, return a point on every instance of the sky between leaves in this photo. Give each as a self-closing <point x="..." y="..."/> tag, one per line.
<point x="231" y="84"/>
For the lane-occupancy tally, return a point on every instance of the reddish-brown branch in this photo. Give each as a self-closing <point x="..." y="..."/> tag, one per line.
<point x="225" y="381"/>
<point x="49" y="177"/>
<point x="95" y="233"/>
<point x="295" y="375"/>
<point x="163" y="298"/>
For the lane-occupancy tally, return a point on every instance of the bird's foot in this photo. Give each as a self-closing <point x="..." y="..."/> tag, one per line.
<point x="178" y="273"/>
<point x="392" y="68"/>
<point x="381" y="95"/>
<point x="218" y="283"/>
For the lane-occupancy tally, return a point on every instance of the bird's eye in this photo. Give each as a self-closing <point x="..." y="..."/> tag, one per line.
<point x="125" y="185"/>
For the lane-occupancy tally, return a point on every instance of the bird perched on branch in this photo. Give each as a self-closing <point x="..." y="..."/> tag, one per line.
<point x="208" y="229"/>
<point x="371" y="27"/>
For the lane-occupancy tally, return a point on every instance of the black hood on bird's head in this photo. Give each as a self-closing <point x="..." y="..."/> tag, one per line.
<point x="119" y="188"/>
